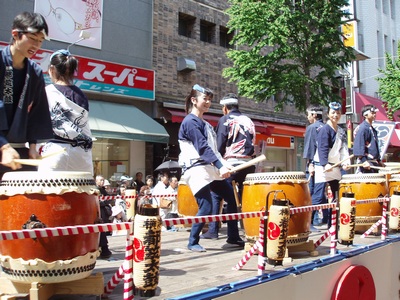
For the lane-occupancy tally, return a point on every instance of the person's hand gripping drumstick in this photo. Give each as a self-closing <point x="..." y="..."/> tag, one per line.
<point x="328" y="167"/>
<point x="8" y="156"/>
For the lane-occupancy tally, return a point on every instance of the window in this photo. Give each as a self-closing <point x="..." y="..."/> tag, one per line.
<point x="207" y="32"/>
<point x="186" y="25"/>
<point x="392" y="9"/>
<point x="381" y="54"/>
<point x="385" y="7"/>
<point x="225" y="38"/>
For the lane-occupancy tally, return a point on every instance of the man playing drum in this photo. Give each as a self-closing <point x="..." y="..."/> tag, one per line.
<point x="24" y="112"/>
<point x="235" y="140"/>
<point x="314" y="116"/>
<point x="366" y="146"/>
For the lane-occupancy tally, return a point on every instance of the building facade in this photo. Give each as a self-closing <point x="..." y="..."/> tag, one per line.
<point x="190" y="39"/>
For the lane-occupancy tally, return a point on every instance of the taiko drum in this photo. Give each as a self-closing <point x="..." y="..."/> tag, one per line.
<point x="30" y="200"/>
<point x="187" y="204"/>
<point x="365" y="186"/>
<point x="254" y="198"/>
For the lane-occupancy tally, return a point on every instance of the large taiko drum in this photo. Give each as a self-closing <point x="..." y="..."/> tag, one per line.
<point x="365" y="186"/>
<point x="187" y="204"/>
<point x="30" y="200"/>
<point x="295" y="186"/>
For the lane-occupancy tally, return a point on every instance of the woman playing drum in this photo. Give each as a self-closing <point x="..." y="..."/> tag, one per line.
<point x="331" y="149"/>
<point x="204" y="168"/>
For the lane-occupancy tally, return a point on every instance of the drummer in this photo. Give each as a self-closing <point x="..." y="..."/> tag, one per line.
<point x="24" y="112"/>
<point x="314" y="116"/>
<point x="236" y="136"/>
<point x="366" y="146"/>
<point x="203" y="167"/>
<point x="331" y="149"/>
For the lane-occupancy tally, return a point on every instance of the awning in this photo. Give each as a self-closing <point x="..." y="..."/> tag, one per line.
<point x="395" y="138"/>
<point x="284" y="129"/>
<point x="177" y="116"/>
<point x="360" y="55"/>
<point x="125" y="122"/>
<point x="362" y="100"/>
<point x="381" y="116"/>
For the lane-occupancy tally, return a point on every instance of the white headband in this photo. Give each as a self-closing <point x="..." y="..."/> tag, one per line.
<point x="228" y="101"/>
<point x="315" y="112"/>
<point x="370" y="110"/>
<point x="34" y="30"/>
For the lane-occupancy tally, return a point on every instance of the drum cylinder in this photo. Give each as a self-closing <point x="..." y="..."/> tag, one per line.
<point x="187" y="204"/>
<point x="394" y="183"/>
<point x="365" y="186"/>
<point x="147" y="230"/>
<point x="31" y="200"/>
<point x="295" y="186"/>
<point x="347" y="218"/>
<point x="394" y="223"/>
<point x="278" y="221"/>
<point x="130" y="201"/>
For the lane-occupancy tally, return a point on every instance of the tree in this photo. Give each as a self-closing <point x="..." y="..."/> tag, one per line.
<point x="389" y="85"/>
<point x="289" y="49"/>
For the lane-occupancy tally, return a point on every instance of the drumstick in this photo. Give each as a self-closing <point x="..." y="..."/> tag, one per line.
<point x="343" y="160"/>
<point x="46" y="155"/>
<point x="29" y="162"/>
<point x="249" y="163"/>
<point x="36" y="162"/>
<point x="355" y="165"/>
<point x="235" y="192"/>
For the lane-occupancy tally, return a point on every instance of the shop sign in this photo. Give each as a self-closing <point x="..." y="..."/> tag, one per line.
<point x="276" y="141"/>
<point x="105" y="77"/>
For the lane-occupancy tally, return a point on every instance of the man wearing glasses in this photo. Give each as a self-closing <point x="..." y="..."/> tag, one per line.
<point x="24" y="111"/>
<point x="366" y="146"/>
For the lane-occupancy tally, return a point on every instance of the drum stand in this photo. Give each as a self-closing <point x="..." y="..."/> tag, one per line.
<point x="307" y="246"/>
<point x="92" y="285"/>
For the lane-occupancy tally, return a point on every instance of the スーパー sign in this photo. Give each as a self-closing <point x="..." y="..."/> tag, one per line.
<point x="105" y="77"/>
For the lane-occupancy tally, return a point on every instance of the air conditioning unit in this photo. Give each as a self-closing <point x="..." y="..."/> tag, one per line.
<point x="186" y="64"/>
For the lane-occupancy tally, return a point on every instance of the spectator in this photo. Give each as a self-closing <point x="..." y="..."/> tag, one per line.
<point x="105" y="212"/>
<point x="139" y="181"/>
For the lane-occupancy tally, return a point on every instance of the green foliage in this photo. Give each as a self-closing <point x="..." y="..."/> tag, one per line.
<point x="389" y="85"/>
<point x="290" y="51"/>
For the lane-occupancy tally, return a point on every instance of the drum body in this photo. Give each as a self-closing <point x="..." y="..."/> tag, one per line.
<point x="187" y="204"/>
<point x="365" y="186"/>
<point x="294" y="185"/>
<point x="30" y="200"/>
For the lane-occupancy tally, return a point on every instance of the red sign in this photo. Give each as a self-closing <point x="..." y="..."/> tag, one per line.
<point x="106" y="77"/>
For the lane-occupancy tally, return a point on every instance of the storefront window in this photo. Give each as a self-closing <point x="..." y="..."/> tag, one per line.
<point x="111" y="158"/>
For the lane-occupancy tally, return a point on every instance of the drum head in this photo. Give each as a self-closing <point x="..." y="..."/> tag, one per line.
<point x="57" y="182"/>
<point x="275" y="177"/>
<point x="365" y="177"/>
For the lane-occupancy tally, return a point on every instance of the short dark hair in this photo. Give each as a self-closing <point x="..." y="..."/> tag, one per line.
<point x="26" y="20"/>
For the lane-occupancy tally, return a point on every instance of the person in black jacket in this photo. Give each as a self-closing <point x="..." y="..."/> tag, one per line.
<point x="106" y="212"/>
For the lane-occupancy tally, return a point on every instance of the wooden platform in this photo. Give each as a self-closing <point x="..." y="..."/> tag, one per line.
<point x="92" y="285"/>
